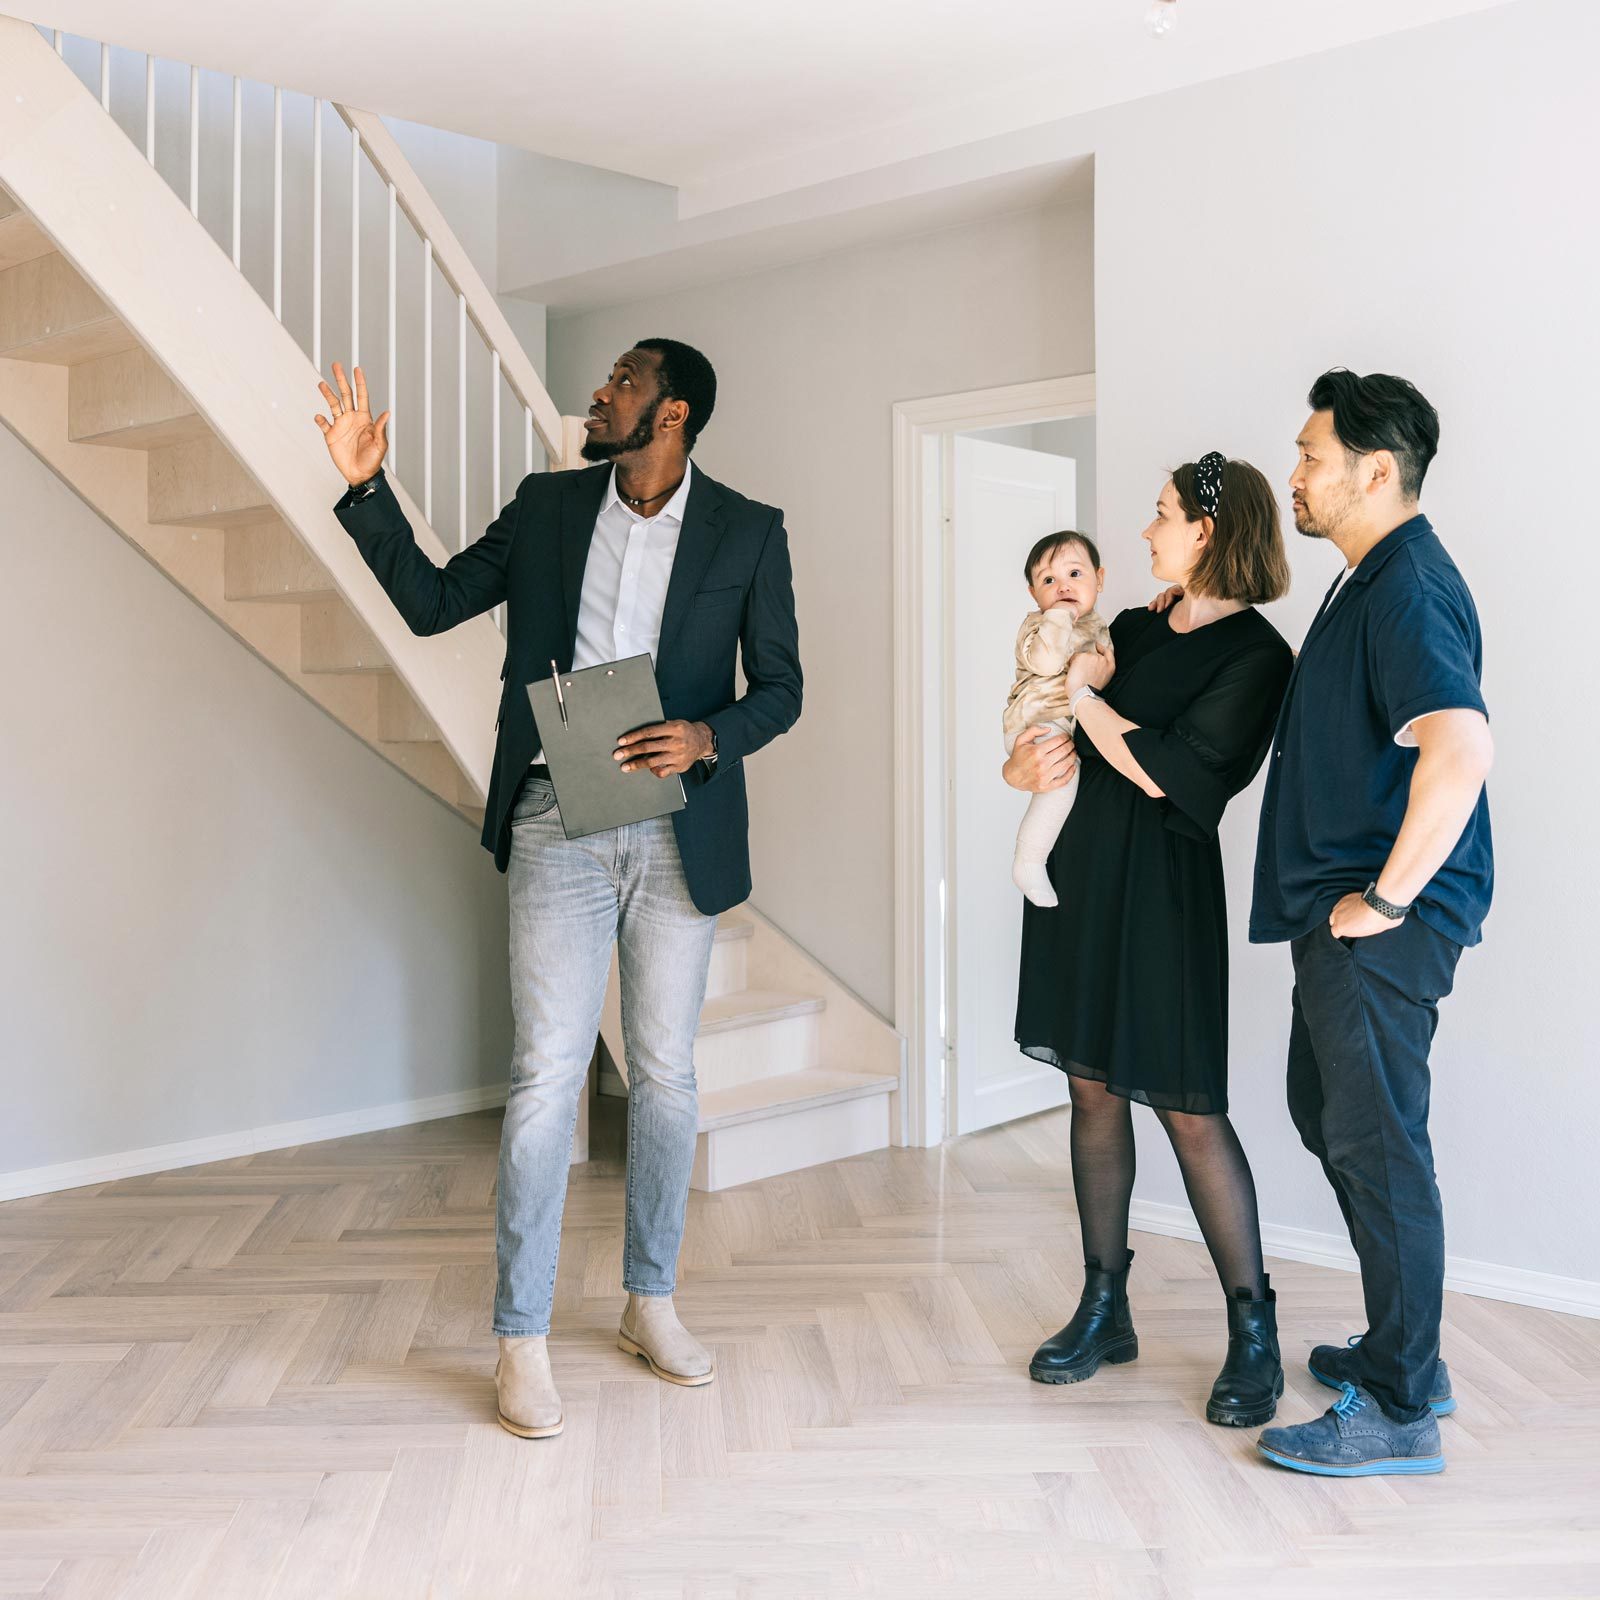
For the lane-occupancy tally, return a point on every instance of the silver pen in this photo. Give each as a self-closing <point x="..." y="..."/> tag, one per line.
<point x="561" y="699"/>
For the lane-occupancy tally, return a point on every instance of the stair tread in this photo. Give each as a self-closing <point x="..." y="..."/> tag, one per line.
<point x="730" y="926"/>
<point x="790" y="1091"/>
<point x="747" y="1008"/>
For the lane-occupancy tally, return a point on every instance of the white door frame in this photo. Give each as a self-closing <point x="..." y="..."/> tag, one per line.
<point x="921" y="627"/>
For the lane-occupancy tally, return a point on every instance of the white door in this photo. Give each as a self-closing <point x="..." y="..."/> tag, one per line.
<point x="1003" y="500"/>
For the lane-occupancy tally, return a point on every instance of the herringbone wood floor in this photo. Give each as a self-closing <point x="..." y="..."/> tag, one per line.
<point x="271" y="1377"/>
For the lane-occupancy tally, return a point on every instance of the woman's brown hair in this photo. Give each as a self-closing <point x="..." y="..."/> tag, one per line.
<point x="1245" y="559"/>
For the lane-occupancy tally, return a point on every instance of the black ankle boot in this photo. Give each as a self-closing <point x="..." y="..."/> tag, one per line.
<point x="1100" y="1330"/>
<point x="1247" y="1389"/>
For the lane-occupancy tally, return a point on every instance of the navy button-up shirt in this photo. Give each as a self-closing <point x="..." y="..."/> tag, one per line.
<point x="1398" y="640"/>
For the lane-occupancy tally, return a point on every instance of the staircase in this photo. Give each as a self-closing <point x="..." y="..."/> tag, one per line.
<point x="793" y="1068"/>
<point x="76" y="385"/>
<point x="124" y="332"/>
<point x="141" y="364"/>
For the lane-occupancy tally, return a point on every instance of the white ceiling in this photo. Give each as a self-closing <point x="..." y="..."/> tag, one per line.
<point x="733" y="100"/>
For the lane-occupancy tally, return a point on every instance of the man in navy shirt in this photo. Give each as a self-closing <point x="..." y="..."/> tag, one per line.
<point x="1375" y="862"/>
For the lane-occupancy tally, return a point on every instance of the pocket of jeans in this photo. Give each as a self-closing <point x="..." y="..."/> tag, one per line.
<point x="535" y="801"/>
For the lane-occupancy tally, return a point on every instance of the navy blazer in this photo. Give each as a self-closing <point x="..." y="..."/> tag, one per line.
<point x="731" y="592"/>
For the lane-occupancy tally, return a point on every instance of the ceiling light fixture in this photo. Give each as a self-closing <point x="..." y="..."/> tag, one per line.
<point x="1160" y="18"/>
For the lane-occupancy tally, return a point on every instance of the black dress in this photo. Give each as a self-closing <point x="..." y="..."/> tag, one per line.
<point x="1126" y="981"/>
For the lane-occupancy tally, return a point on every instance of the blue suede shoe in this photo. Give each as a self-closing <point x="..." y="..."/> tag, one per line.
<point x="1335" y="1367"/>
<point x="1355" y="1439"/>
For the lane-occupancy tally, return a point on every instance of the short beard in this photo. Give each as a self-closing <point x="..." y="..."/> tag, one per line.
<point x="644" y="430"/>
<point x="1333" y="519"/>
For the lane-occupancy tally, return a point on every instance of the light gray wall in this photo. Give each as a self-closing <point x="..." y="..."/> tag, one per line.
<point x="1405" y="205"/>
<point x="221" y="910"/>
<point x="809" y="360"/>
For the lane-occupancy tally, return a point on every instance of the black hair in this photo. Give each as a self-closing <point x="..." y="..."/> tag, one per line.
<point x="1052" y="542"/>
<point x="1379" y="412"/>
<point x="684" y="374"/>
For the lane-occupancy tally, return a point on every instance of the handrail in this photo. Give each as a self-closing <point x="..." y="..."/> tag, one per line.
<point x="453" y="261"/>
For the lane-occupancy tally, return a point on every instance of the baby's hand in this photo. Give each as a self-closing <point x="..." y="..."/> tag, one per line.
<point x="1062" y="616"/>
<point x="1092" y="669"/>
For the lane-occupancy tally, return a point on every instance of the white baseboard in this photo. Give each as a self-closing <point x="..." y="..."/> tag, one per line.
<point x="1576" y="1296"/>
<point x="224" y="1146"/>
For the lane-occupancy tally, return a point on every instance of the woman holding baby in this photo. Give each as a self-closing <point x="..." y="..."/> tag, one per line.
<point x="1124" y="984"/>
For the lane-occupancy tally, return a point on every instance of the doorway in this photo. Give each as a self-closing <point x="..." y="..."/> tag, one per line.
<point x="979" y="477"/>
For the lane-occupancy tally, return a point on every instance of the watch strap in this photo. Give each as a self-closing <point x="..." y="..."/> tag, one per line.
<point x="1384" y="907"/>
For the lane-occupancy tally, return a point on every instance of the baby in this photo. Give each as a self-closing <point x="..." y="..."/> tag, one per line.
<point x="1065" y="578"/>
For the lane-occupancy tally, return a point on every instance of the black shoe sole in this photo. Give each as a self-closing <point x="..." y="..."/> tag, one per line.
<point x="1230" y="1417"/>
<point x="1116" y="1354"/>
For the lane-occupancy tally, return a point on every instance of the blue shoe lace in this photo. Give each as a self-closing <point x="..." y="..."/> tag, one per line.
<point x="1349" y="1402"/>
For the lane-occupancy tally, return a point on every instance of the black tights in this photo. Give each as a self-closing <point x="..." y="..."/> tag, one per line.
<point x="1216" y="1177"/>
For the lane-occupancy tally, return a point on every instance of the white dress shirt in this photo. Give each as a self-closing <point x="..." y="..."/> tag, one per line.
<point x="625" y="579"/>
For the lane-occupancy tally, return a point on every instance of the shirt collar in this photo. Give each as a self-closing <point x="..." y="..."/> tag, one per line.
<point x="1412" y="528"/>
<point x="673" y="508"/>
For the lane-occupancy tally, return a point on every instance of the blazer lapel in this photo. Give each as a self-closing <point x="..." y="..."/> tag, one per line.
<point x="697" y="542"/>
<point x="580" y="506"/>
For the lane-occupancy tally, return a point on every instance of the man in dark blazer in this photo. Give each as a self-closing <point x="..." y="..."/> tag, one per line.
<point x="638" y="553"/>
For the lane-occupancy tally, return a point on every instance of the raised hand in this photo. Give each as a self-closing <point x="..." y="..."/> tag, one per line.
<point x="356" y="442"/>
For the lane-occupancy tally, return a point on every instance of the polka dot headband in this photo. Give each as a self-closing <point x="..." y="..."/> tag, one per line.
<point x="1208" y="481"/>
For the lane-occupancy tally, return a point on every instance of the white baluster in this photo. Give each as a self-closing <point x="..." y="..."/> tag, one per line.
<point x="149" y="108"/>
<point x="59" y="42"/>
<point x="238" y="165"/>
<point x="494" y="428"/>
<point x="494" y="480"/>
<point x="355" y="251"/>
<point x="427" y="381"/>
<point x="316" y="235"/>
<point x="461" y="417"/>
<point x="394" y="344"/>
<point x="277" y="204"/>
<point x="194" y="141"/>
<point x="527" y="440"/>
<point x="105" y="77"/>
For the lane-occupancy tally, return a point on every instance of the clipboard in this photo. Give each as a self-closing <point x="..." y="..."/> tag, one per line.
<point x="580" y="716"/>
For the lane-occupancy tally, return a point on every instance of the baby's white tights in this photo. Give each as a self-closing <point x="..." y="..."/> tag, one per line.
<point x="1036" y="838"/>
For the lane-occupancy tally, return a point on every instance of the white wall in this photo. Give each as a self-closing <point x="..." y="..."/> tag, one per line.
<point x="809" y="360"/>
<point x="1416" y="205"/>
<point x="1409" y="206"/>
<point x="221" y="910"/>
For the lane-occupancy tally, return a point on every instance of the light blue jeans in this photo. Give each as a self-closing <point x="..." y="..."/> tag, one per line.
<point x="570" y="901"/>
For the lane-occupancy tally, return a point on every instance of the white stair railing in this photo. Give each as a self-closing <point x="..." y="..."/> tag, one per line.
<point x="480" y="324"/>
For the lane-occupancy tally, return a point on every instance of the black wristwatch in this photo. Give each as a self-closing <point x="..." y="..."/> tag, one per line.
<point x="711" y="760"/>
<point x="1382" y="906"/>
<point x="360" y="491"/>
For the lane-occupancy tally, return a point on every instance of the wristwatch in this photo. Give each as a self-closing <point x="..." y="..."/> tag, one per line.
<point x="360" y="491"/>
<point x="1382" y="906"/>
<point x="711" y="760"/>
<point x="1083" y="692"/>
